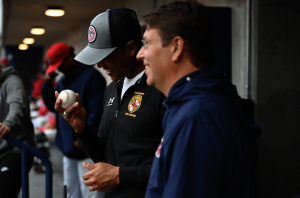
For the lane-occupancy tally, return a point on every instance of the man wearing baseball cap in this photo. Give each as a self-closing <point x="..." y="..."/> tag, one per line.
<point x="131" y="126"/>
<point x="90" y="84"/>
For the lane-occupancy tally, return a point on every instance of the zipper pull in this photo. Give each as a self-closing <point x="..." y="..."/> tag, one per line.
<point x="117" y="111"/>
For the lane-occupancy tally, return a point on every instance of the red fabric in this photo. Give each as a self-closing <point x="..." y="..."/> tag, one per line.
<point x="42" y="109"/>
<point x="39" y="76"/>
<point x="41" y="129"/>
<point x="53" y="83"/>
<point x="51" y="116"/>
<point x="37" y="88"/>
<point x="52" y="119"/>
<point x="4" y="61"/>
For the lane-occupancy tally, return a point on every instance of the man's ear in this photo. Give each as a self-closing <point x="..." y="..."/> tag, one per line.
<point x="178" y="44"/>
<point x="131" y="47"/>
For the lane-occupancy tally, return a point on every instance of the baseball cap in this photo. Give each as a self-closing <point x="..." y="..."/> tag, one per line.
<point x="4" y="61"/>
<point x="56" y="55"/>
<point x="107" y="31"/>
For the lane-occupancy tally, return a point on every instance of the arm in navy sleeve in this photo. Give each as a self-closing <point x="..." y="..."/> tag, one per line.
<point x="94" y="100"/>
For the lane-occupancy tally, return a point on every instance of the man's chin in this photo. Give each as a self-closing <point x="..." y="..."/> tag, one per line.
<point x="114" y="77"/>
<point x="150" y="82"/>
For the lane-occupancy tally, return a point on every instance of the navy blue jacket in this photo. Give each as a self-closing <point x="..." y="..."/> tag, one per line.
<point x="90" y="85"/>
<point x="208" y="149"/>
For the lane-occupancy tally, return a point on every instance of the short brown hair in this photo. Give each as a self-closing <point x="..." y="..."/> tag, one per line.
<point x="189" y="20"/>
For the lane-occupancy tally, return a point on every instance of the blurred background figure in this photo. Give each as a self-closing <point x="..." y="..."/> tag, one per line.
<point x="43" y="121"/>
<point x="90" y="85"/>
<point x="4" y="62"/>
<point x="14" y="120"/>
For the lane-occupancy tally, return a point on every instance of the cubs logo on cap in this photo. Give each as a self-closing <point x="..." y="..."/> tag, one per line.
<point x="92" y="34"/>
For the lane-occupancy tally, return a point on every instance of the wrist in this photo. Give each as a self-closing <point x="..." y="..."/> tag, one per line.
<point x="81" y="131"/>
<point x="117" y="178"/>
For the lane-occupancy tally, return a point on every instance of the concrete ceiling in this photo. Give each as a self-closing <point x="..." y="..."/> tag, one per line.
<point x="19" y="16"/>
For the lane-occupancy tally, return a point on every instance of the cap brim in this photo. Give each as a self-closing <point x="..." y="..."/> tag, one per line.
<point x="53" y="67"/>
<point x="91" y="56"/>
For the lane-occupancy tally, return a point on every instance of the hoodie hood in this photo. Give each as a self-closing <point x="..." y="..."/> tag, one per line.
<point x="6" y="72"/>
<point x="209" y="84"/>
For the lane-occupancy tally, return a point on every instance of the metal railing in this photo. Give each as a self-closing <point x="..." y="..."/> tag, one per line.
<point x="25" y="151"/>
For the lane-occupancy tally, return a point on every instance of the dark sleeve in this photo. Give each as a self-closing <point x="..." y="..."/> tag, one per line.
<point x="135" y="173"/>
<point x="142" y="172"/>
<point x="92" y="145"/>
<point x="48" y="94"/>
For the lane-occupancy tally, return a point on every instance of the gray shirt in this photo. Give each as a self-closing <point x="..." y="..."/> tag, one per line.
<point x="14" y="111"/>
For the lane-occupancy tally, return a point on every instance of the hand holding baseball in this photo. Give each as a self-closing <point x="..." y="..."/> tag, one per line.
<point x="75" y="115"/>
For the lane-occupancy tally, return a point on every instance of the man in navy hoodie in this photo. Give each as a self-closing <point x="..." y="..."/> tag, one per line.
<point x="90" y="84"/>
<point x="208" y="148"/>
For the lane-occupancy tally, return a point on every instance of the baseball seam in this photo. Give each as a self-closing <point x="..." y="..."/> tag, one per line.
<point x="68" y="98"/>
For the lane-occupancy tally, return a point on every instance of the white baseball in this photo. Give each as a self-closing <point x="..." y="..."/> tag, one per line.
<point x="68" y="97"/>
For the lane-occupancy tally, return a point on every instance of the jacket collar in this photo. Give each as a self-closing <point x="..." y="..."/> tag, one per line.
<point x="141" y="80"/>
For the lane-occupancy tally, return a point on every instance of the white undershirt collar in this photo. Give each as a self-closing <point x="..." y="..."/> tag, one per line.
<point x="129" y="82"/>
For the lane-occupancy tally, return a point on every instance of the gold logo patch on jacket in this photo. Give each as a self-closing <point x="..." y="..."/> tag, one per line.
<point x="135" y="103"/>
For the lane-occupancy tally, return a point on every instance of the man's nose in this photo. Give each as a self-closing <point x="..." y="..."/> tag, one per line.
<point x="140" y="55"/>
